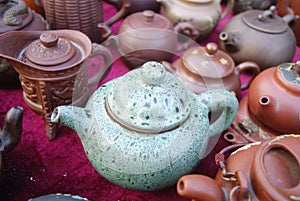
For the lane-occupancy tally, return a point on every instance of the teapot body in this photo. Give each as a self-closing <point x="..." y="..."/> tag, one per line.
<point x="271" y="40"/>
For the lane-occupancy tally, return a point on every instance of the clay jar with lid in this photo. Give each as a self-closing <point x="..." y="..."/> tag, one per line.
<point x="16" y="16"/>
<point x="260" y="171"/>
<point x="148" y="36"/>
<point x="271" y="107"/>
<point x="205" y="68"/>
<point x="52" y="68"/>
<point x="259" y="36"/>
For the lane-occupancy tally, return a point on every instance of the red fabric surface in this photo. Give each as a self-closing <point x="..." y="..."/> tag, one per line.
<point x="37" y="166"/>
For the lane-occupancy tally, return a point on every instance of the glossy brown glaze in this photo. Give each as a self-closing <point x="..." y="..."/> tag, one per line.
<point x="52" y="68"/>
<point x="286" y="7"/>
<point x="204" y="68"/>
<point x="271" y="33"/>
<point x="260" y="171"/>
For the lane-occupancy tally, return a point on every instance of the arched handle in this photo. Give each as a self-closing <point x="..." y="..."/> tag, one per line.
<point x="248" y="67"/>
<point x="99" y="50"/>
<point x="219" y="100"/>
<point x="228" y="8"/>
<point x="189" y="30"/>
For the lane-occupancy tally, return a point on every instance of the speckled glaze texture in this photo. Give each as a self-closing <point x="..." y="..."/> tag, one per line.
<point x="142" y="161"/>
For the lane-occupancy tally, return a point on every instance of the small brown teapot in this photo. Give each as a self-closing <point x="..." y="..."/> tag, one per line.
<point x="259" y="36"/>
<point x="148" y="36"/>
<point x="203" y="68"/>
<point x="11" y="133"/>
<point x="271" y="107"/>
<point x="260" y="171"/>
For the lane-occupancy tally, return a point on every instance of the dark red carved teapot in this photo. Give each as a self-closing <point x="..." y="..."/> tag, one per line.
<point x="271" y="107"/>
<point x="203" y="68"/>
<point x="261" y="171"/>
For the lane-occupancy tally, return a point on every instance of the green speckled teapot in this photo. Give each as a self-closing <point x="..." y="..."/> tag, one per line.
<point x="145" y="129"/>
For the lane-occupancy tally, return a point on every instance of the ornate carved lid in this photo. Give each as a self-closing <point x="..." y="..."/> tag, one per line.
<point x="149" y="100"/>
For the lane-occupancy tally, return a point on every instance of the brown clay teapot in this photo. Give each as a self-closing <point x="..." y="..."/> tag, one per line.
<point x="137" y="6"/>
<point x="11" y="133"/>
<point x="271" y="107"/>
<point x="203" y="68"/>
<point x="52" y="68"/>
<point x="261" y="171"/>
<point x="203" y="14"/>
<point x="148" y="36"/>
<point x="259" y="36"/>
<point x="15" y="16"/>
<point x="286" y="7"/>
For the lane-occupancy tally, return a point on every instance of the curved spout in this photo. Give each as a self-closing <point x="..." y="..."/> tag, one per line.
<point x="77" y="118"/>
<point x="231" y="42"/>
<point x="199" y="188"/>
<point x="11" y="133"/>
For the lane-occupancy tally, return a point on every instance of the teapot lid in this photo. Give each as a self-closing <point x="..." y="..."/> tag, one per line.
<point x="288" y="75"/>
<point x="264" y="21"/>
<point x="208" y="62"/>
<point x="149" y="100"/>
<point x="50" y="50"/>
<point x="15" y="16"/>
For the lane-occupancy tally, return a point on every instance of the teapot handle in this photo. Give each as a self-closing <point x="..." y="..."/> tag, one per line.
<point x="100" y="50"/>
<point x="219" y="100"/>
<point x="248" y="67"/>
<point x="228" y="8"/>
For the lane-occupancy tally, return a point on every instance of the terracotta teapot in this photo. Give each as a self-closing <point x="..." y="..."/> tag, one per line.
<point x="145" y="129"/>
<point x="203" y="14"/>
<point x="260" y="171"/>
<point x="52" y="67"/>
<point x="244" y="5"/>
<point x="11" y="133"/>
<point x="204" y="68"/>
<point x="83" y="16"/>
<point x="15" y="15"/>
<point x="274" y="44"/>
<point x="270" y="110"/>
<point x="137" y="6"/>
<point x="286" y="7"/>
<point x="149" y="36"/>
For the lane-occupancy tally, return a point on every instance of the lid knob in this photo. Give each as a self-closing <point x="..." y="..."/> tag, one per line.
<point x="211" y="48"/>
<point x="267" y="13"/>
<point x="148" y="15"/>
<point x="153" y="73"/>
<point x="49" y="39"/>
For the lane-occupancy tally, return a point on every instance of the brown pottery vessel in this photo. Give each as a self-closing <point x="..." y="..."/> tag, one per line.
<point x="286" y="7"/>
<point x="11" y="133"/>
<point x="52" y="68"/>
<point x="271" y="107"/>
<point x="204" y="68"/>
<point x="261" y="171"/>
<point x="259" y="36"/>
<point x="15" y="16"/>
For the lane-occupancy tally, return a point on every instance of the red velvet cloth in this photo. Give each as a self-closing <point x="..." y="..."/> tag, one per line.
<point x="37" y="166"/>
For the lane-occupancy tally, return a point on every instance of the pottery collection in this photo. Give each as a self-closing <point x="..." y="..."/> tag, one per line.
<point x="149" y="128"/>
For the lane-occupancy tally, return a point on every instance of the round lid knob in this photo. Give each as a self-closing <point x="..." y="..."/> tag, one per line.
<point x="149" y="100"/>
<point x="50" y="50"/>
<point x="289" y="75"/>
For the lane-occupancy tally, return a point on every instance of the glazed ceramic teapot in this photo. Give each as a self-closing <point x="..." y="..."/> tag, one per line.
<point x="270" y="110"/>
<point x="260" y="171"/>
<point x="15" y="16"/>
<point x="204" y="68"/>
<point x="203" y="14"/>
<point x="145" y="129"/>
<point x="52" y="66"/>
<point x="137" y="6"/>
<point x="149" y="36"/>
<point x="286" y="7"/>
<point x="271" y="33"/>
<point x="11" y="133"/>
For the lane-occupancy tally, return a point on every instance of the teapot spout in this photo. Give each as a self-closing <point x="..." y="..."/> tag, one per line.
<point x="76" y="118"/>
<point x="199" y="188"/>
<point x="11" y="133"/>
<point x="229" y="41"/>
